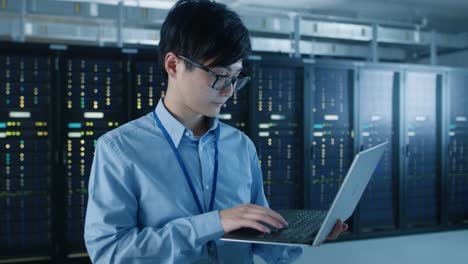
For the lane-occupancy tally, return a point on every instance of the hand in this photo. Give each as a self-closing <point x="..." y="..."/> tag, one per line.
<point x="339" y="228"/>
<point x="249" y="215"/>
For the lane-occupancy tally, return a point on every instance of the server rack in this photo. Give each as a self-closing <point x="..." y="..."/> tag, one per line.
<point x="420" y="140"/>
<point x="93" y="91"/>
<point x="376" y="119"/>
<point x="26" y="152"/>
<point x="329" y="131"/>
<point x="456" y="148"/>
<point x="329" y="122"/>
<point x="275" y="127"/>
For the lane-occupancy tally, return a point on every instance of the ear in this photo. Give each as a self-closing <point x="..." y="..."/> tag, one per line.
<point x="170" y="64"/>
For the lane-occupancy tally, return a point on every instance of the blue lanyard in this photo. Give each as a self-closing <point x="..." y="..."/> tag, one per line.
<point x="184" y="168"/>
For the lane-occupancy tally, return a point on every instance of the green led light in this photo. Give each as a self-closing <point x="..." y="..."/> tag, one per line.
<point x="6" y="194"/>
<point x="81" y="191"/>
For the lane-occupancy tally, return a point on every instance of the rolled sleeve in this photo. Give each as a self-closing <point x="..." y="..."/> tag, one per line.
<point x="208" y="227"/>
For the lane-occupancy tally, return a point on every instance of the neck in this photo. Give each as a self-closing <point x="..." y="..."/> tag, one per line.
<point x="190" y="119"/>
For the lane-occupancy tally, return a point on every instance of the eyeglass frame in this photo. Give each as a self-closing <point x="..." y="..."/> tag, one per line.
<point x="217" y="76"/>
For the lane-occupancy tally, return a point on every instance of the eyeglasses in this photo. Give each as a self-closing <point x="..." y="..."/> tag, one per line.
<point x="221" y="81"/>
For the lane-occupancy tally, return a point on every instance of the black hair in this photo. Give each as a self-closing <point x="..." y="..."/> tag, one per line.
<point x="202" y="30"/>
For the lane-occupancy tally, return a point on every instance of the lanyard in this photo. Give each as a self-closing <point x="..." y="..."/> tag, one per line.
<point x="184" y="168"/>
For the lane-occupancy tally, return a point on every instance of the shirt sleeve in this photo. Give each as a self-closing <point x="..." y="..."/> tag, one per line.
<point x="269" y="253"/>
<point x="112" y="234"/>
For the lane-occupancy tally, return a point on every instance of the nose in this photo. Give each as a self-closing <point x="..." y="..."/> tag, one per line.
<point x="228" y="91"/>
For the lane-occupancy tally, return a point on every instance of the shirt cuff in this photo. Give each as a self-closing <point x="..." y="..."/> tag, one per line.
<point x="207" y="226"/>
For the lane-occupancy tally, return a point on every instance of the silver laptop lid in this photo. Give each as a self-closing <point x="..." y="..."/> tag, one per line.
<point x="351" y="189"/>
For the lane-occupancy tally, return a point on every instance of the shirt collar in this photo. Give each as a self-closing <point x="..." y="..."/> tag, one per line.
<point x="176" y="129"/>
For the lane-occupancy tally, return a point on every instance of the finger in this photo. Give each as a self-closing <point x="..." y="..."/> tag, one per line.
<point x="255" y="225"/>
<point x="332" y="237"/>
<point x="264" y="218"/>
<point x="259" y="214"/>
<point x="345" y="227"/>
<point x="272" y="213"/>
<point x="336" y="231"/>
<point x="254" y="209"/>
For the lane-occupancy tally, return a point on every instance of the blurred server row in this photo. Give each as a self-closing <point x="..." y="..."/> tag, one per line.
<point x="307" y="119"/>
<point x="26" y="147"/>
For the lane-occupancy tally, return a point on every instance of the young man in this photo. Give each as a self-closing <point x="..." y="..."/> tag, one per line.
<point x="164" y="188"/>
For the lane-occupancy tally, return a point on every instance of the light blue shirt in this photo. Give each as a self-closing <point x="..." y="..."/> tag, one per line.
<point x="140" y="208"/>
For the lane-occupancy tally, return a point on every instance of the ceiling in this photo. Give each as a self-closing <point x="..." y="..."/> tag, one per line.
<point x="448" y="16"/>
<point x="441" y="15"/>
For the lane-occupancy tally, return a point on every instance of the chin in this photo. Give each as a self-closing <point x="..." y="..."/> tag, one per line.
<point x="212" y="112"/>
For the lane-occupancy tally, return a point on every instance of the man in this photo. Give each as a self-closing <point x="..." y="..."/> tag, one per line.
<point x="164" y="188"/>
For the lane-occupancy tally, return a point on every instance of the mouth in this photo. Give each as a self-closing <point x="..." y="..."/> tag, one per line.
<point x="219" y="104"/>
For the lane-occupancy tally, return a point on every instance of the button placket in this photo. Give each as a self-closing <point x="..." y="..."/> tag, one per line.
<point x="207" y="166"/>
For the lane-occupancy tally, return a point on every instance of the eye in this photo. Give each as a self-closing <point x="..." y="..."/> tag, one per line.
<point x="235" y="75"/>
<point x="219" y="71"/>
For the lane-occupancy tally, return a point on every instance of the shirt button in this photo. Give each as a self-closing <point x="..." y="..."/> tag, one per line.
<point x="187" y="134"/>
<point x="207" y="187"/>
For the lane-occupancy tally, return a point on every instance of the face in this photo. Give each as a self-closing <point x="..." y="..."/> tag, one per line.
<point x="195" y="89"/>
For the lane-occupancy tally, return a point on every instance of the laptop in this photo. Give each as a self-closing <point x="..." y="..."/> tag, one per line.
<point x="312" y="227"/>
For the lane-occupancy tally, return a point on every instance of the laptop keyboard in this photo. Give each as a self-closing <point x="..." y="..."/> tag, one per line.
<point x="302" y="224"/>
